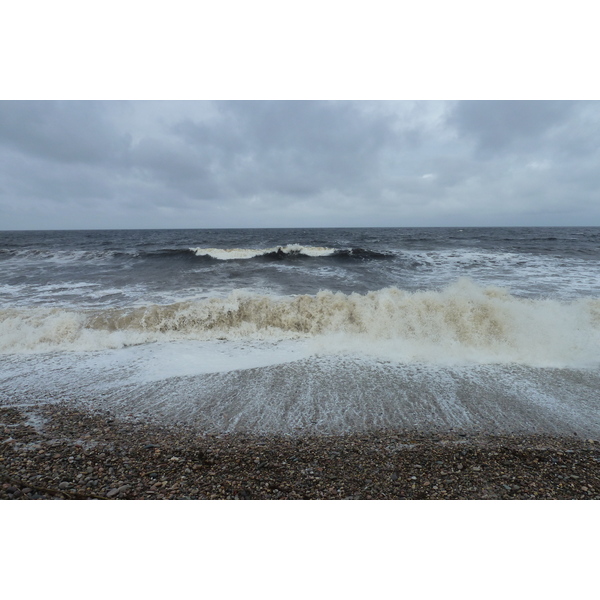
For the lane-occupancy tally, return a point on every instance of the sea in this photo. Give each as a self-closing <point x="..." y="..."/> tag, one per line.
<point x="302" y="331"/>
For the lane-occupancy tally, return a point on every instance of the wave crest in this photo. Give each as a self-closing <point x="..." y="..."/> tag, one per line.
<point x="246" y="253"/>
<point x="463" y="322"/>
<point x="282" y="252"/>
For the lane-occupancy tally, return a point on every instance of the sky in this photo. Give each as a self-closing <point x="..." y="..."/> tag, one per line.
<point x="212" y="164"/>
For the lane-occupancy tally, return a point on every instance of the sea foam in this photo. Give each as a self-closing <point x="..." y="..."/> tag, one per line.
<point x="246" y="253"/>
<point x="462" y="323"/>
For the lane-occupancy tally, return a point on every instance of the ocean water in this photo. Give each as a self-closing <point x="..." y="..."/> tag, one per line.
<point x="308" y="330"/>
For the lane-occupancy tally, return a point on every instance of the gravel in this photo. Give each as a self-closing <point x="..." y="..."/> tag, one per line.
<point x="93" y="455"/>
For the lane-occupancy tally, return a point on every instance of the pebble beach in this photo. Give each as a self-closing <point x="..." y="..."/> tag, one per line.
<point x="305" y="363"/>
<point x="59" y="452"/>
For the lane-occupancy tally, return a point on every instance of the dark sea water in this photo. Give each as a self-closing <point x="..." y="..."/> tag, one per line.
<point x="329" y="330"/>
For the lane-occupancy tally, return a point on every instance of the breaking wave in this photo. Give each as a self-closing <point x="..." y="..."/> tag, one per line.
<point x="282" y="252"/>
<point x="278" y="252"/>
<point x="463" y="323"/>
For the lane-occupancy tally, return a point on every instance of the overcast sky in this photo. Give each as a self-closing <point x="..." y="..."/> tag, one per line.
<point x="83" y="164"/>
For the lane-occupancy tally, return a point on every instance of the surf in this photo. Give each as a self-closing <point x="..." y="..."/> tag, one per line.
<point x="461" y="324"/>
<point x="287" y="251"/>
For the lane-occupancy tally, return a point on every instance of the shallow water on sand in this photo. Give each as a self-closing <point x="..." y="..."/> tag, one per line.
<point x="281" y="390"/>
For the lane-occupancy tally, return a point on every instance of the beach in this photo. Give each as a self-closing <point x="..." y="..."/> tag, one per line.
<point x="357" y="363"/>
<point x="61" y="452"/>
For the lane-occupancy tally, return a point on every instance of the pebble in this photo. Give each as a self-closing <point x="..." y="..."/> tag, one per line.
<point x="124" y="464"/>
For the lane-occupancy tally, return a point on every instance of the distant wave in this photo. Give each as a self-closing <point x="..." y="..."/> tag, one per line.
<point x="282" y="252"/>
<point x="275" y="252"/>
<point x="463" y="323"/>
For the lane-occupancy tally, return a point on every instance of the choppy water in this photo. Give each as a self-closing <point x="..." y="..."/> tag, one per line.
<point x="321" y="329"/>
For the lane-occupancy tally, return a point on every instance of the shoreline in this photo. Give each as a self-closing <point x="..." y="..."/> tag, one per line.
<point x="59" y="452"/>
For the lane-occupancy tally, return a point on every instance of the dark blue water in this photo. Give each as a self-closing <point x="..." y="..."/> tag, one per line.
<point x="120" y="268"/>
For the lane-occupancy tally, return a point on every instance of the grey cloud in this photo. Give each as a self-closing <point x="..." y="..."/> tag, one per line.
<point x="174" y="165"/>
<point x="37" y="178"/>
<point x="295" y="148"/>
<point x="78" y="132"/>
<point x="280" y="163"/>
<point x="498" y="124"/>
<point x="579" y="137"/>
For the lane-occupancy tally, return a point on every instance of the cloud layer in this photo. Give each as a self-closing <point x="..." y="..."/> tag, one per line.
<point x="286" y="164"/>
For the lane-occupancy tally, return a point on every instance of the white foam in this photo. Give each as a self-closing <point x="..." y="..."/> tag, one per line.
<point x="463" y="323"/>
<point x="157" y="362"/>
<point x="58" y="256"/>
<point x="177" y="382"/>
<point x="562" y="277"/>
<point x="246" y="253"/>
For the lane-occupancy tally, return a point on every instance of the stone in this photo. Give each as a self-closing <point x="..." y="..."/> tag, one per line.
<point x="112" y="492"/>
<point x="64" y="485"/>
